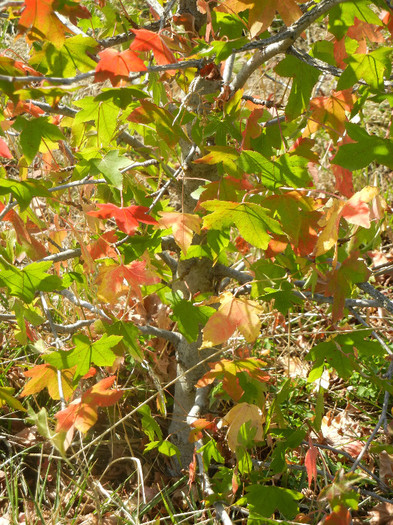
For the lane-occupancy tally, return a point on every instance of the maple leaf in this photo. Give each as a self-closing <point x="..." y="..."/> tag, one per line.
<point x="46" y="376"/>
<point x="81" y="413"/>
<point x="329" y="113"/>
<point x="344" y="180"/>
<point x="355" y="211"/>
<point x="233" y="313"/>
<point x="102" y="247"/>
<point x="146" y="40"/>
<point x="262" y="12"/>
<point x="4" y="150"/>
<point x="127" y="219"/>
<point x="183" y="225"/>
<point x="110" y="280"/>
<point x="310" y="462"/>
<point x="340" y="516"/>
<point x="85" y="353"/>
<point x="117" y="66"/>
<point x="237" y="416"/>
<point x="40" y="22"/>
<point x="227" y="370"/>
<point x="340" y="280"/>
<point x="252" y="129"/>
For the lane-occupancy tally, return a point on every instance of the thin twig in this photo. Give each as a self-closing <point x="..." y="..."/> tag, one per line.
<point x="381" y="421"/>
<point x="58" y="345"/>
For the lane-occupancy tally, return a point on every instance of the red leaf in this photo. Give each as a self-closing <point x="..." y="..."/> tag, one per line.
<point x="127" y="219"/>
<point x="311" y="462"/>
<point x="252" y="129"/>
<point x="146" y="40"/>
<point x="82" y="412"/>
<point x="4" y="150"/>
<point x="116" y="66"/>
<point x="344" y="180"/>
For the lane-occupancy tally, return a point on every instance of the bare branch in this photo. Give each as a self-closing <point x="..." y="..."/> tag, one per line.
<point x="382" y="300"/>
<point x="319" y="298"/>
<point x="62" y="256"/>
<point x="83" y="304"/>
<point x="173" y="337"/>
<point x="269" y="47"/>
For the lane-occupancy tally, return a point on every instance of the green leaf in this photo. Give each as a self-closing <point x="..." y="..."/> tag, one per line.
<point x="304" y="79"/>
<point x="367" y="149"/>
<point x="287" y="170"/>
<point x="23" y="191"/>
<point x="342" y="16"/>
<point x="251" y="220"/>
<point x="33" y="132"/>
<point x="130" y="333"/>
<point x="110" y="167"/>
<point x="263" y="501"/>
<point x="149" y="425"/>
<point x="70" y="59"/>
<point x="6" y="397"/>
<point x="371" y="68"/>
<point x="104" y="115"/>
<point x="189" y="318"/>
<point x="33" y="278"/>
<point x="85" y="353"/>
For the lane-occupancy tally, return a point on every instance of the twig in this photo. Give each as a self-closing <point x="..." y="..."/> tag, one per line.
<point x="83" y="304"/>
<point x="173" y="337"/>
<point x="381" y="421"/>
<point x="383" y="301"/>
<point x="359" y="318"/>
<point x="58" y="345"/>
<point x="62" y="256"/>
<point x="220" y="270"/>
<point x="74" y="327"/>
<point x="319" y="298"/>
<point x="269" y="47"/>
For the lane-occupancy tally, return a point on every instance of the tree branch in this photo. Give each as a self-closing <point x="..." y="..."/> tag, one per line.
<point x="269" y="47"/>
<point x="173" y="337"/>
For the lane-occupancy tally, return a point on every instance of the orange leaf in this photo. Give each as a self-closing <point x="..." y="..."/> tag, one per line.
<point x="110" y="280"/>
<point x="45" y="376"/>
<point x="146" y="40"/>
<point x="310" y="462"/>
<point x="40" y="22"/>
<point x="183" y="225"/>
<point x="340" y="517"/>
<point x="329" y="113"/>
<point x="102" y="247"/>
<point x="117" y="66"/>
<point x="127" y="219"/>
<point x="82" y="412"/>
<point x="233" y="313"/>
<point x="262" y="12"/>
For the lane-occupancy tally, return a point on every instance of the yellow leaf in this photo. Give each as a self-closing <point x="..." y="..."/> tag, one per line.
<point x="237" y="416"/>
